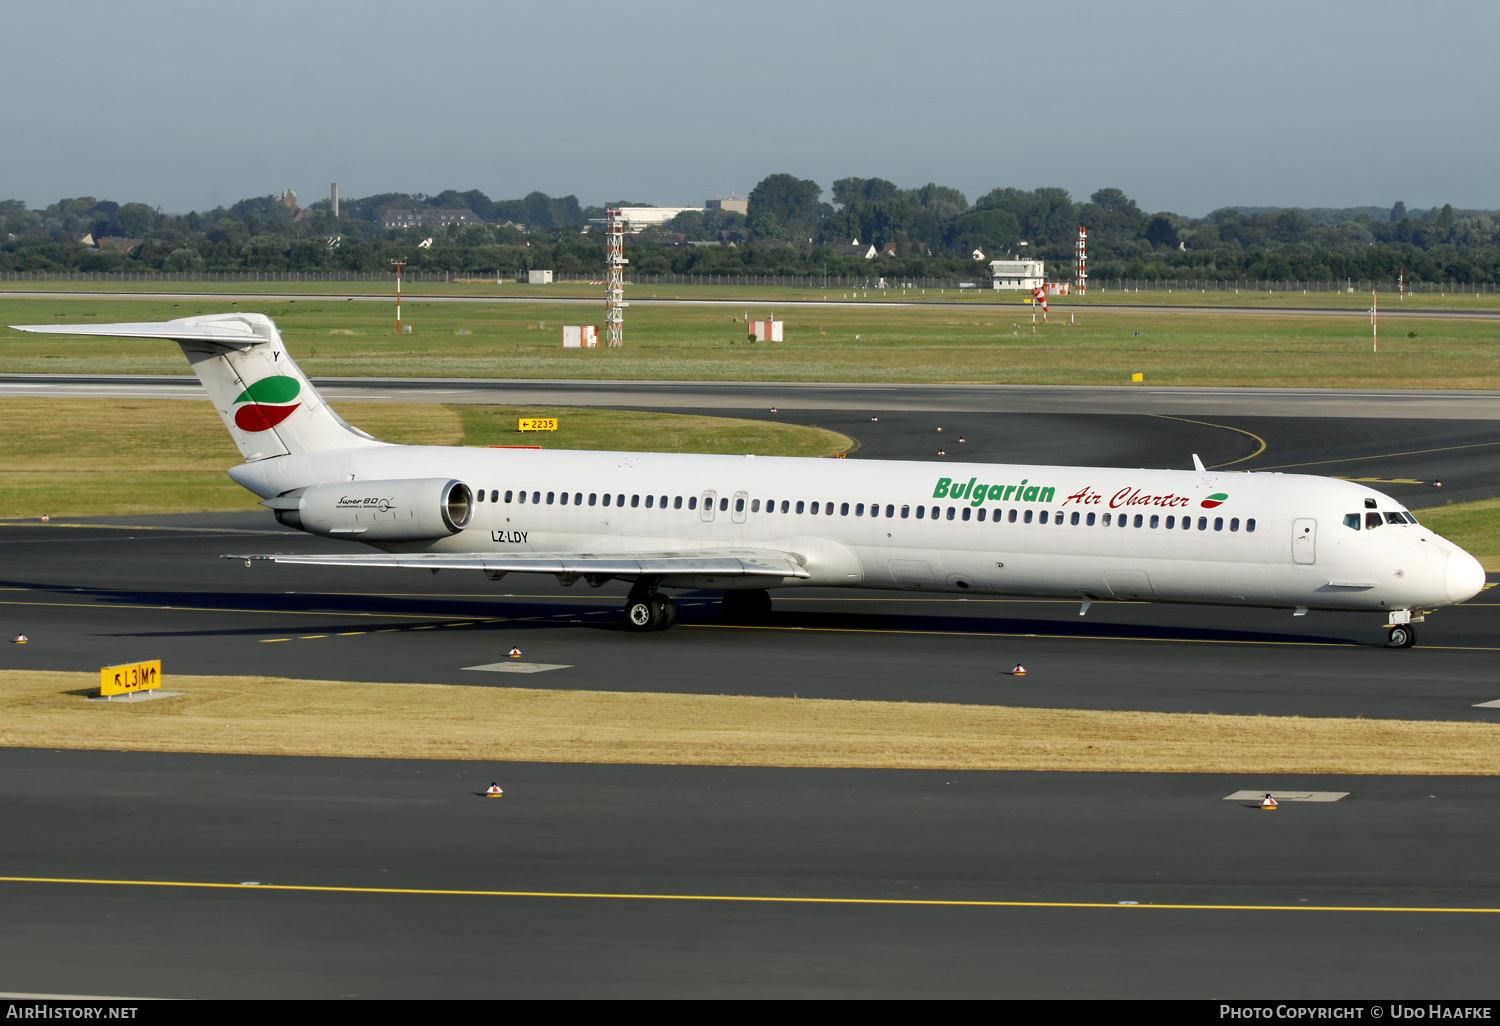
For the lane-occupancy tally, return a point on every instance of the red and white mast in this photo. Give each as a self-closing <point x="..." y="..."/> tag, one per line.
<point x="614" y="277"/>
<point x="1080" y="271"/>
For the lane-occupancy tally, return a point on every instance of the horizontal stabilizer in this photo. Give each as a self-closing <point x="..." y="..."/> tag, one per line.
<point x="232" y="330"/>
<point x="707" y="563"/>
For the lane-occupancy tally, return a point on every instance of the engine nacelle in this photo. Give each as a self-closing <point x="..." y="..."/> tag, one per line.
<point x="386" y="511"/>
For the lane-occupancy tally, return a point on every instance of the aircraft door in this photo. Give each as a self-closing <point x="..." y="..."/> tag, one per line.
<point x="737" y="509"/>
<point x="1305" y="541"/>
<point x="709" y="498"/>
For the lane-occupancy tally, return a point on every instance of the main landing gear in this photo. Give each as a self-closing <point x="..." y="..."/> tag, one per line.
<point x="646" y="609"/>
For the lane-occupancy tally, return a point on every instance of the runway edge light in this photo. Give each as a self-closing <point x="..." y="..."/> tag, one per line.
<point x="494" y="792"/>
<point x="1019" y="671"/>
<point x="20" y="639"/>
<point x="1268" y="803"/>
<point x="515" y="653"/>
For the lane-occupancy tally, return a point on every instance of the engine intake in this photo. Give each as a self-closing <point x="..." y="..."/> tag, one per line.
<point x="387" y="511"/>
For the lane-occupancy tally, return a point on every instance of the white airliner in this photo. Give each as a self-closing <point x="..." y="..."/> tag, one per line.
<point x="745" y="524"/>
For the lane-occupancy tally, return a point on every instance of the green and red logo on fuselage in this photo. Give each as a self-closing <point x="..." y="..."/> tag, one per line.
<point x="1216" y="499"/>
<point x="266" y="403"/>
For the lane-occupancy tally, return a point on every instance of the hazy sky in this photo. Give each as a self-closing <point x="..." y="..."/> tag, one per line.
<point x="1186" y="106"/>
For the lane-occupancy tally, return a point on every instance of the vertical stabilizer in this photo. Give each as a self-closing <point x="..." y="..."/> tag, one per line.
<point x="267" y="403"/>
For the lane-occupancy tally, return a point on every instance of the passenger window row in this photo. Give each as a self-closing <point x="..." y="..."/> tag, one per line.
<point x="803" y="506"/>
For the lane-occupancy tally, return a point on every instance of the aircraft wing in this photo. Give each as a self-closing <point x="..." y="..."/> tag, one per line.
<point x="703" y="563"/>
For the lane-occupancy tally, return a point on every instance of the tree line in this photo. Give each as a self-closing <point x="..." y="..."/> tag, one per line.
<point x="930" y="231"/>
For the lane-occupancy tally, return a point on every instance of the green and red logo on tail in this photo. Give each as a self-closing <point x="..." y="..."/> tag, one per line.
<point x="267" y="403"/>
<point x="1216" y="499"/>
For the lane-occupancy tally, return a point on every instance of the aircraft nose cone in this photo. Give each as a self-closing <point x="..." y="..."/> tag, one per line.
<point x="1465" y="577"/>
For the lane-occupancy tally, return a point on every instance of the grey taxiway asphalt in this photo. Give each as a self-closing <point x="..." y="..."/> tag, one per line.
<point x="1073" y="846"/>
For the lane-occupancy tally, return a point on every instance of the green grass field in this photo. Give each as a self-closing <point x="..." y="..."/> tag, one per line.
<point x="170" y="455"/>
<point x="876" y="343"/>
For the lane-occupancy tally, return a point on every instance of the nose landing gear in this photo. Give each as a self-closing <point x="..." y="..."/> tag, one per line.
<point x="1401" y="636"/>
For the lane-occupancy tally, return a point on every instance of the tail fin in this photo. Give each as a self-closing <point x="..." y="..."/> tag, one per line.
<point x="267" y="403"/>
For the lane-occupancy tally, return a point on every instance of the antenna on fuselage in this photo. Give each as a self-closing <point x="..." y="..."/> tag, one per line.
<point x="1198" y="464"/>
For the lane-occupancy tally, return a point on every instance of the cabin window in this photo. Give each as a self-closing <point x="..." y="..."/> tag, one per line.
<point x="1234" y="524"/>
<point x="844" y="510"/>
<point x="536" y="497"/>
<point x="1012" y="517"/>
<point x="677" y="502"/>
<point x="1171" y="523"/>
<point x="1218" y="523"/>
<point x="606" y="498"/>
<point x="1089" y="520"/>
<point x="1073" y="519"/>
<point x="1123" y="520"/>
<point x="1372" y="521"/>
<point x="1139" y="520"/>
<point x="578" y="498"/>
<point x="494" y="495"/>
<point x="950" y="512"/>
<point x="1203" y="523"/>
<point x="692" y="502"/>
<point x="1028" y="516"/>
<point x="619" y="500"/>
<point x="890" y="511"/>
<point x="1042" y="517"/>
<point x="981" y="514"/>
<point x="1250" y="526"/>
<point x="593" y="498"/>
<point x="635" y="500"/>
<point x="739" y="504"/>
<point x="551" y="497"/>
<point x="1156" y="521"/>
<point x="1106" y="520"/>
<point x="650" y="501"/>
<point x="479" y="497"/>
<point x="813" y="507"/>
<point x="508" y="496"/>
<point x="966" y="512"/>
<point x="859" y="510"/>
<point x="723" y="504"/>
<point x="563" y="498"/>
<point x="786" y="504"/>
<point x="921" y="511"/>
<point x="828" y="509"/>
<point x="523" y="496"/>
<point x="1395" y="518"/>
<point x="754" y="505"/>
<point x="800" y="505"/>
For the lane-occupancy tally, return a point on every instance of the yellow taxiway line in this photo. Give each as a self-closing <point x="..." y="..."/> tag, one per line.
<point x="746" y="898"/>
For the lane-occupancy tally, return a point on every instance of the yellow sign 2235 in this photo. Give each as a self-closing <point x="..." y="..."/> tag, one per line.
<point x="119" y="680"/>
<point x="538" y="424"/>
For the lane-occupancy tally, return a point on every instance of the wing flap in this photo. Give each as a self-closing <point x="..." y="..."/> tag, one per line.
<point x="711" y="562"/>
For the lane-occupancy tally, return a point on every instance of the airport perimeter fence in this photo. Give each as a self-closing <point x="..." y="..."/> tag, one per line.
<point x="1096" y="285"/>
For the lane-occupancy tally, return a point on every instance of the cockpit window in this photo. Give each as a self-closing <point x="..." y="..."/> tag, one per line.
<point x="1372" y="521"/>
<point x="1411" y="519"/>
<point x="1351" y="520"/>
<point x="1395" y="518"/>
<point x="1369" y="504"/>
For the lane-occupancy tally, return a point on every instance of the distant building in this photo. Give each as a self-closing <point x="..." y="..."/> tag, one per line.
<point x="734" y="206"/>
<point x="978" y="254"/>
<point x="852" y="247"/>
<point x="1016" y="274"/>
<point x="889" y="249"/>
<point x="427" y="218"/>
<point x="539" y="277"/>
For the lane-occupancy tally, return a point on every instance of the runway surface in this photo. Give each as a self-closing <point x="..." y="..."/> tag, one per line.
<point x="628" y="874"/>
<point x="93" y="591"/>
<point x="879" y="302"/>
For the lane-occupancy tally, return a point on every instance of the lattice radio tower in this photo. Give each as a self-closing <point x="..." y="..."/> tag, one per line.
<point x="614" y="277"/>
<point x="1080" y="270"/>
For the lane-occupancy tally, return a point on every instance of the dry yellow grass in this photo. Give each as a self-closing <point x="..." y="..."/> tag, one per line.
<point x="270" y="716"/>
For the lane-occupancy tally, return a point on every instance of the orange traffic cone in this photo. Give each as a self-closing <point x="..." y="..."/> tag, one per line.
<point x="1019" y="671"/>
<point x="1268" y="804"/>
<point x="20" y="640"/>
<point x="494" y="792"/>
<point x="515" y="653"/>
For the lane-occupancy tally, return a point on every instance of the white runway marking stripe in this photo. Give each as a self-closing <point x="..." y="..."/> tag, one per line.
<point x="1488" y="705"/>
<point x="519" y="667"/>
<point x="1287" y="796"/>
